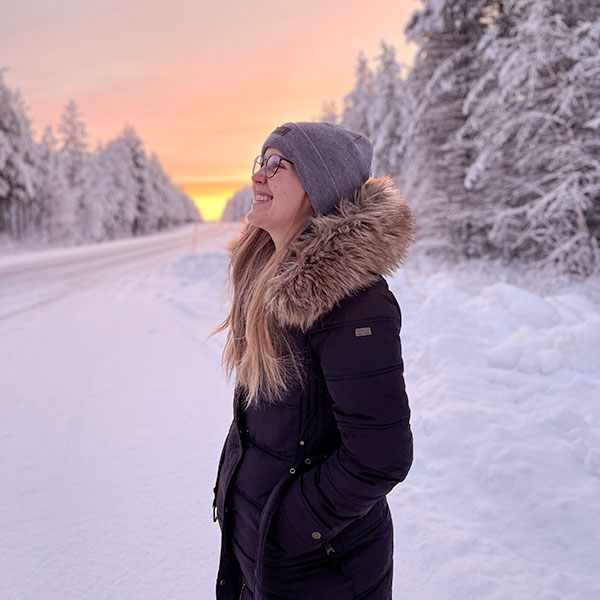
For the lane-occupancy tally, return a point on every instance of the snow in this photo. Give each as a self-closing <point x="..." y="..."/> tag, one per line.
<point x="115" y="407"/>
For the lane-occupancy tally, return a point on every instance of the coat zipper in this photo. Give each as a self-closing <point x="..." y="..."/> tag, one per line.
<point x="328" y="548"/>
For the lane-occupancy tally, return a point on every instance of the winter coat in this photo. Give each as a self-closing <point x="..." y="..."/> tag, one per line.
<point x="301" y="486"/>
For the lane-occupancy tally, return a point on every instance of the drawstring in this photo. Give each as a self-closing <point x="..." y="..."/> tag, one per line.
<point x="242" y="590"/>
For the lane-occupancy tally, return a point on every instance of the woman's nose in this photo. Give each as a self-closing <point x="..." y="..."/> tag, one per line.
<point x="260" y="175"/>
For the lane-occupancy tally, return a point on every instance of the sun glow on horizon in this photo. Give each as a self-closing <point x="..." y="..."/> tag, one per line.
<point x="211" y="197"/>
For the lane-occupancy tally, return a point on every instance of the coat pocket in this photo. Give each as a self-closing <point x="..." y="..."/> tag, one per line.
<point x="360" y="531"/>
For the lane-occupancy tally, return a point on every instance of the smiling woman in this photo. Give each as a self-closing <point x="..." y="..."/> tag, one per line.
<point x="321" y="430"/>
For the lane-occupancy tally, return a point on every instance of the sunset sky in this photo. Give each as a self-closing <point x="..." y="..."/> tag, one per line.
<point x="202" y="83"/>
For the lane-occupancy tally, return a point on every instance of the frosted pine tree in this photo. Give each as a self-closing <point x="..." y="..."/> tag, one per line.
<point x="97" y="198"/>
<point x="387" y="116"/>
<point x="121" y="203"/>
<point x="57" y="223"/>
<point x="433" y="165"/>
<point x="534" y="119"/>
<point x="74" y="150"/>
<point x="18" y="159"/>
<point x="147" y="202"/>
<point x="177" y="207"/>
<point x="238" y="205"/>
<point x="359" y="101"/>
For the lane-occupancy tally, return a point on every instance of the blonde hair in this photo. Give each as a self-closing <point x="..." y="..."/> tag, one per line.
<point x="257" y="347"/>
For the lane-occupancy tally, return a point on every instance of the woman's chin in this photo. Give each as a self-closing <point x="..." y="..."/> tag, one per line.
<point x="256" y="215"/>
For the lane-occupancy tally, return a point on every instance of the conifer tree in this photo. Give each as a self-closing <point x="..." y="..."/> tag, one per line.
<point x="387" y="115"/>
<point x="533" y="118"/>
<point x="57" y="221"/>
<point x="73" y="148"/>
<point x="359" y="101"/>
<point x="433" y="165"/>
<point x="18" y="158"/>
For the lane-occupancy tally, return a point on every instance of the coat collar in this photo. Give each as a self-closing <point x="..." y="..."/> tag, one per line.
<point x="341" y="253"/>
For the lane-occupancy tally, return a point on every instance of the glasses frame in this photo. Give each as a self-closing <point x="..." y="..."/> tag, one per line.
<point x="262" y="163"/>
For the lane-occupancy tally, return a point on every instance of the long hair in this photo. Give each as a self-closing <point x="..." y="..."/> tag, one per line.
<point x="257" y="347"/>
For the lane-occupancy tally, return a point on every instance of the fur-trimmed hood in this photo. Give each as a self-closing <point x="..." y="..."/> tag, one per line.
<point x="340" y="253"/>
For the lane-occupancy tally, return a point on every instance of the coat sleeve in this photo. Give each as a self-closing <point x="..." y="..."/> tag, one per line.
<point x="362" y="364"/>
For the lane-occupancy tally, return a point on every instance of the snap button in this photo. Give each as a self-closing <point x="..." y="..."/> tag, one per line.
<point x="302" y="442"/>
<point x="292" y="470"/>
<point x="307" y="461"/>
<point x="316" y="535"/>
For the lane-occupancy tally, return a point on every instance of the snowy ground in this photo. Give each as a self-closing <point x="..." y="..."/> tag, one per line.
<point x="114" y="409"/>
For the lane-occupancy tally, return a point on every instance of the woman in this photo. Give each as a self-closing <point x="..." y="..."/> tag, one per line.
<point x="320" y="431"/>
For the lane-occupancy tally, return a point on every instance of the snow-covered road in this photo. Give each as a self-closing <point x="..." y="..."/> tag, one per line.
<point x="114" y="409"/>
<point x="110" y="421"/>
<point x="32" y="279"/>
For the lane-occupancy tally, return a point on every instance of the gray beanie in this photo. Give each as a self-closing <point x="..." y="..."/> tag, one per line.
<point x="331" y="161"/>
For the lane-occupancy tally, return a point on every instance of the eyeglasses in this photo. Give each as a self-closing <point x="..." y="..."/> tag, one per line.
<point x="273" y="163"/>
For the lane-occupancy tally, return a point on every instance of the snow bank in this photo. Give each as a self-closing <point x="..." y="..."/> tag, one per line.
<point x="503" y="497"/>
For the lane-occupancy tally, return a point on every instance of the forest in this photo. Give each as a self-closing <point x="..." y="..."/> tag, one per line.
<point x="56" y="192"/>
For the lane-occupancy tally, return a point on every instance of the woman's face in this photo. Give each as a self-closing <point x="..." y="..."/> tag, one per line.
<point x="286" y="205"/>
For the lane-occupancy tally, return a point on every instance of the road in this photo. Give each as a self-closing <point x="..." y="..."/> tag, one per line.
<point x="114" y="410"/>
<point x="31" y="280"/>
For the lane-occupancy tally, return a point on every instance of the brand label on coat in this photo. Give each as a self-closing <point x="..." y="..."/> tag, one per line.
<point x="360" y="331"/>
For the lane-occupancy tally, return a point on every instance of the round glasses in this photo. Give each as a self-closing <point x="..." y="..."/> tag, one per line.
<point x="273" y="163"/>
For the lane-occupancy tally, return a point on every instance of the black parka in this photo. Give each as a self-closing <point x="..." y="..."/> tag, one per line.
<point x="301" y="484"/>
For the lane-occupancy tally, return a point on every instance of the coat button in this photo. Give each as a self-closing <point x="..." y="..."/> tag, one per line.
<point x="302" y="442"/>
<point x="316" y="535"/>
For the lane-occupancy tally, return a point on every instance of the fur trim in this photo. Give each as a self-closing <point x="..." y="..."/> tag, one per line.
<point x="340" y="253"/>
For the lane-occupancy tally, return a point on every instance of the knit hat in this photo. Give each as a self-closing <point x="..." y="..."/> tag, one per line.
<point x="331" y="161"/>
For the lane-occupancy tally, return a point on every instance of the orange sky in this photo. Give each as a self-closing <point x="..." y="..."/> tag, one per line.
<point x="203" y="83"/>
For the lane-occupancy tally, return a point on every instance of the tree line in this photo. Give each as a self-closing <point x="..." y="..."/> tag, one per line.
<point x="58" y="192"/>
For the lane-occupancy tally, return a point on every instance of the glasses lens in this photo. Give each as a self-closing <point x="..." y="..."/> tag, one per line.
<point x="272" y="165"/>
<point x="257" y="164"/>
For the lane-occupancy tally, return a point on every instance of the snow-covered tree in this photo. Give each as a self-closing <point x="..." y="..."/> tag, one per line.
<point x="97" y="198"/>
<point x="238" y="205"/>
<point x="147" y="202"/>
<point x="57" y="218"/>
<point x="359" y="101"/>
<point x="388" y="114"/>
<point x="73" y="147"/>
<point x="18" y="158"/>
<point x="433" y="164"/>
<point x="121" y="202"/>
<point x="175" y="206"/>
<point x="533" y="119"/>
